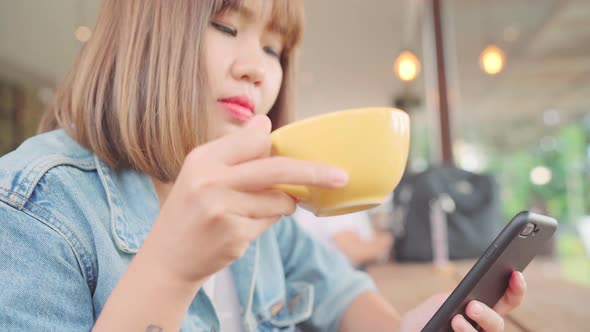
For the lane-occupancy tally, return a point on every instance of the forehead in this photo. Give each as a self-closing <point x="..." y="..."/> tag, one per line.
<point x="282" y="16"/>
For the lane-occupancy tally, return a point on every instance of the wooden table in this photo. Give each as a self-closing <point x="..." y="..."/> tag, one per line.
<point x="551" y="304"/>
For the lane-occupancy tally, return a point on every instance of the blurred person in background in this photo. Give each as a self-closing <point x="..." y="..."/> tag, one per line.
<point x="353" y="234"/>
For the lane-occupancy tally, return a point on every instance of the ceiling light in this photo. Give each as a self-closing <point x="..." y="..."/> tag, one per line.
<point x="406" y="66"/>
<point x="492" y="60"/>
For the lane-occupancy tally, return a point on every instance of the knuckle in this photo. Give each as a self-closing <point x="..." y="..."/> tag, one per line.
<point x="193" y="195"/>
<point x="317" y="176"/>
<point x="205" y="183"/>
<point x="514" y="301"/>
<point x="312" y="174"/>
<point x="214" y="211"/>
<point x="195" y="189"/>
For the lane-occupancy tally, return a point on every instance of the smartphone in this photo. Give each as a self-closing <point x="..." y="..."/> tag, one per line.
<point x="512" y="250"/>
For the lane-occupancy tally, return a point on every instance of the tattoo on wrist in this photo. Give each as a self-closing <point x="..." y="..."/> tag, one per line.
<point x="154" y="328"/>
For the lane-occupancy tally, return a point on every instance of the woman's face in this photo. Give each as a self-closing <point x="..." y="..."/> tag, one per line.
<point x="242" y="59"/>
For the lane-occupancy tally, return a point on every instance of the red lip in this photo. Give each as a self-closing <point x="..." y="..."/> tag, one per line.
<point x="240" y="100"/>
<point x="240" y="107"/>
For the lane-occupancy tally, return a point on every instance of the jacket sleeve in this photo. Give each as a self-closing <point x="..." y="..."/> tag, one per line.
<point x="42" y="285"/>
<point x="336" y="283"/>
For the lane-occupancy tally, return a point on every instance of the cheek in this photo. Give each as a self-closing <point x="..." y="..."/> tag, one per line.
<point x="215" y="61"/>
<point x="275" y="80"/>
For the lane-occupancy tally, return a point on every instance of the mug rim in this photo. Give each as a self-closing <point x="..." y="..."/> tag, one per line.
<point x="339" y="113"/>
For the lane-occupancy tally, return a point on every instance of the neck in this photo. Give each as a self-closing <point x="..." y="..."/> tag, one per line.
<point x="162" y="189"/>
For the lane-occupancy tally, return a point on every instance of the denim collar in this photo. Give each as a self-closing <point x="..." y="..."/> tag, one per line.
<point x="133" y="203"/>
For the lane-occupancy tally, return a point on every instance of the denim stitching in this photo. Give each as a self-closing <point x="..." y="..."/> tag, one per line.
<point x="81" y="164"/>
<point x="7" y="198"/>
<point x="30" y="180"/>
<point x="121" y="243"/>
<point x="70" y="237"/>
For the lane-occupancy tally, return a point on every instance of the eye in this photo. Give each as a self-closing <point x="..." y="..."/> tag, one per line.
<point x="224" y="29"/>
<point x="271" y="51"/>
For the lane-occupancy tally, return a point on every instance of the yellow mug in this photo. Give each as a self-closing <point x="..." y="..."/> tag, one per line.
<point x="371" y="144"/>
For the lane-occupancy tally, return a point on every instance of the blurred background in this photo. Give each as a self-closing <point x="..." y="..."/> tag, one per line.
<point x="511" y="79"/>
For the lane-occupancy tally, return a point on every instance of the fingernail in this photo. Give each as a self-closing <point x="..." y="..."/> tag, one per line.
<point x="338" y="176"/>
<point x="476" y="309"/>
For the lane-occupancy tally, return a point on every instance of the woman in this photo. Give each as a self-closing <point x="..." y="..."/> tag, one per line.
<point x="147" y="203"/>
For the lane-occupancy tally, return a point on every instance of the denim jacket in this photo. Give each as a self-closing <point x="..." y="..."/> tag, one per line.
<point x="70" y="225"/>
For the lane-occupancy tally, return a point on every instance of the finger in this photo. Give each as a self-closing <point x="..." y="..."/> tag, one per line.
<point x="513" y="296"/>
<point x="484" y="316"/>
<point x="246" y="144"/>
<point x="262" y="204"/>
<point x="254" y="227"/>
<point x="460" y="324"/>
<point x="268" y="172"/>
<point x="260" y="121"/>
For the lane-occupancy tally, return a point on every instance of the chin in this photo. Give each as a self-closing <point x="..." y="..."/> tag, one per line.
<point x="229" y="128"/>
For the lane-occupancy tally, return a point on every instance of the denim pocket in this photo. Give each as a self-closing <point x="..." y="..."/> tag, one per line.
<point x="294" y="308"/>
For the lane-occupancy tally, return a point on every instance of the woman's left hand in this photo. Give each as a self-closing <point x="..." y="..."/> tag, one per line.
<point x="489" y="320"/>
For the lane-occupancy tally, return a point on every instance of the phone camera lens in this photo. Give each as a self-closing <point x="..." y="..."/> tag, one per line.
<point x="528" y="230"/>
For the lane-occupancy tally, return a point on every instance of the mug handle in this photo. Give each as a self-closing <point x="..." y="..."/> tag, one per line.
<point x="300" y="192"/>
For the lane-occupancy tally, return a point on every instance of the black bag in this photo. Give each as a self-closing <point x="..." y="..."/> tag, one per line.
<point x="470" y="202"/>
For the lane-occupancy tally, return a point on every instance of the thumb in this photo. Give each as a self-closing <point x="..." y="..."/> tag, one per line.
<point x="260" y="121"/>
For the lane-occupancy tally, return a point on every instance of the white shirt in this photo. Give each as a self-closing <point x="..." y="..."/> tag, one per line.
<point x="221" y="290"/>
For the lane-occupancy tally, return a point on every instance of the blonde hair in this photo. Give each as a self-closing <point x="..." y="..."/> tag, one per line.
<point x="135" y="93"/>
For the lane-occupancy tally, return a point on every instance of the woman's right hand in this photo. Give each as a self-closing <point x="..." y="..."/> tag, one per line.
<point x="223" y="199"/>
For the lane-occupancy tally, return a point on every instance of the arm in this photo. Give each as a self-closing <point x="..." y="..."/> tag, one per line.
<point x="152" y="298"/>
<point x="221" y="201"/>
<point x="43" y="287"/>
<point x="336" y="283"/>
<point x="360" y="251"/>
<point x="370" y="312"/>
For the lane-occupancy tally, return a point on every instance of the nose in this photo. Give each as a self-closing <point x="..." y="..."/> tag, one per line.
<point x="249" y="67"/>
